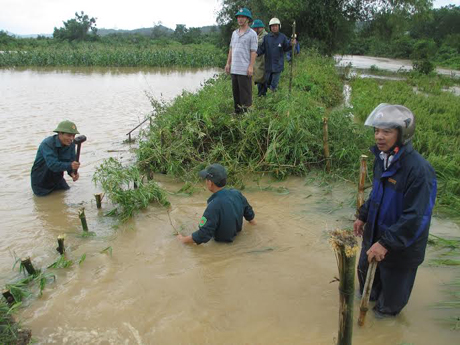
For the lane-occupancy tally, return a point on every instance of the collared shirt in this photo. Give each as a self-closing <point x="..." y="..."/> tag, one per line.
<point x="51" y="161"/>
<point x="223" y="217"/>
<point x="242" y="46"/>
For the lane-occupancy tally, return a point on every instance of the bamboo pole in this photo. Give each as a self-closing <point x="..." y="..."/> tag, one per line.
<point x="292" y="56"/>
<point x="60" y="248"/>
<point x="326" y="145"/>
<point x="82" y="216"/>
<point x="9" y="297"/>
<point x="346" y="247"/>
<point x="364" y="306"/>
<point x="27" y="264"/>
<point x="99" y="197"/>
<point x="362" y="180"/>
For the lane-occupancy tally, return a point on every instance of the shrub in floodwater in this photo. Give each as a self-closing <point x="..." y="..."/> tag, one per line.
<point x="127" y="189"/>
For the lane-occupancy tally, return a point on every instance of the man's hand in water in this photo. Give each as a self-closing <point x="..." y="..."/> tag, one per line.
<point x="253" y="222"/>
<point x="185" y="239"/>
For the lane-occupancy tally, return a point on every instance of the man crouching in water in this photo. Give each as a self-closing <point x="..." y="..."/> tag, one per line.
<point x="223" y="217"/>
<point x="55" y="155"/>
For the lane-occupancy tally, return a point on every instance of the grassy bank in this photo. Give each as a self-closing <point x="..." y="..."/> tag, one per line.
<point x="123" y="55"/>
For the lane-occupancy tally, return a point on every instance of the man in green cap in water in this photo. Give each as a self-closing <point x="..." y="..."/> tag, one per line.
<point x="223" y="218"/>
<point x="55" y="155"/>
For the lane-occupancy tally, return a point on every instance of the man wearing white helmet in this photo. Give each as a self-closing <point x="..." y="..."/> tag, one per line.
<point x="274" y="45"/>
<point x="395" y="220"/>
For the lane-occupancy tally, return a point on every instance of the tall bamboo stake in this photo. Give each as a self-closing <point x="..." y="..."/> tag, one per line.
<point x="82" y="216"/>
<point x="346" y="247"/>
<point x="60" y="248"/>
<point x="9" y="297"/>
<point x="326" y="145"/>
<point x="362" y="180"/>
<point x="27" y="263"/>
<point x="292" y="56"/>
<point x="364" y="306"/>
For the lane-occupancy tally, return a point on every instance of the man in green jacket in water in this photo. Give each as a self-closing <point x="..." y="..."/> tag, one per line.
<point x="223" y="217"/>
<point x="259" y="65"/>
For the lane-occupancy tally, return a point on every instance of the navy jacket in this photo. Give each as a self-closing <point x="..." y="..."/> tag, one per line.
<point x="223" y="218"/>
<point x="398" y="211"/>
<point x="274" y="46"/>
<point x="51" y="161"/>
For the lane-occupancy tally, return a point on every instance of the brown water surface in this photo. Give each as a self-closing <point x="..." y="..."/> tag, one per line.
<point x="271" y="286"/>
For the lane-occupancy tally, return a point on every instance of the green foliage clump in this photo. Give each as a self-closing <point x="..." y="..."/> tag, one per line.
<point x="77" y="29"/>
<point x="8" y="328"/>
<point x="127" y="189"/>
<point x="282" y="134"/>
<point x="437" y="115"/>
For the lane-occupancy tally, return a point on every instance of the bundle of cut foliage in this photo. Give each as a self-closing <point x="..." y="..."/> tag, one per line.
<point x="281" y="135"/>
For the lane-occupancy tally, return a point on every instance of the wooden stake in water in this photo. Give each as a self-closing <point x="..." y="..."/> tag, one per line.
<point x="82" y="216"/>
<point x="346" y="247"/>
<point x="60" y="248"/>
<point x="362" y="180"/>
<point x="364" y="306"/>
<point x="27" y="264"/>
<point x="326" y="145"/>
<point x="98" y="200"/>
<point x="9" y="297"/>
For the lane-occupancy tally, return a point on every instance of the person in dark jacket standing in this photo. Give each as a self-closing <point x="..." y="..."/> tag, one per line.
<point x="259" y="66"/>
<point x="274" y="45"/>
<point x="395" y="220"/>
<point x="55" y="155"/>
<point x="223" y="217"/>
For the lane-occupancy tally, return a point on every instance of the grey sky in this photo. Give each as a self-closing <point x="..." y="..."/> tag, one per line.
<point x="41" y="16"/>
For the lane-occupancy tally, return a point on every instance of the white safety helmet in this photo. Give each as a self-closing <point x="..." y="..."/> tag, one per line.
<point x="393" y="116"/>
<point x="274" y="21"/>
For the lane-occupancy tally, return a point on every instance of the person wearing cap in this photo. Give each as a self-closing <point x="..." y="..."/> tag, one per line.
<point x="259" y="66"/>
<point x="395" y="219"/>
<point x="223" y="217"/>
<point x="274" y="45"/>
<point x="240" y="61"/>
<point x="55" y="155"/>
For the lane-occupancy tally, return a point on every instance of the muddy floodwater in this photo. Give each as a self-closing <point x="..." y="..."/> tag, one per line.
<point x="273" y="285"/>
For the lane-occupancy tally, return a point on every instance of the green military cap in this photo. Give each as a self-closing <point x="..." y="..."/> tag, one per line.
<point x="215" y="173"/>
<point x="67" y="127"/>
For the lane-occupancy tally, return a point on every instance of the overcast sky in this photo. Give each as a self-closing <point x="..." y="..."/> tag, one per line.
<point x="23" y="17"/>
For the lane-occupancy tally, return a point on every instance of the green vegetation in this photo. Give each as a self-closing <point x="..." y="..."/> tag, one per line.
<point x="8" y="327"/>
<point x="81" y="28"/>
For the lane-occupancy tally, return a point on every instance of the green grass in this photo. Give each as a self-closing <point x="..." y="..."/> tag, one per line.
<point x="87" y="54"/>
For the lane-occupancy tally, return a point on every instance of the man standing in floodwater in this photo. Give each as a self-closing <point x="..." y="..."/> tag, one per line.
<point x="273" y="47"/>
<point x="223" y="217"/>
<point x="395" y="220"/>
<point x="240" y="61"/>
<point x="55" y="155"/>
<point x="259" y="66"/>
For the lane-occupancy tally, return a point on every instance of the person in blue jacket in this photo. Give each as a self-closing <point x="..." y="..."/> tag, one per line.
<point x="223" y="217"/>
<point x="274" y="45"/>
<point x="55" y="155"/>
<point x="395" y="220"/>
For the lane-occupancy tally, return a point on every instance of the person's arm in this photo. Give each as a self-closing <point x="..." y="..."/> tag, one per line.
<point x="248" y="212"/>
<point x="287" y="46"/>
<point x="251" y="64"/>
<point x="207" y="227"/>
<point x="229" y="61"/>
<point x="417" y="205"/>
<point x="185" y="239"/>
<point x="52" y="160"/>
<point x="261" y="47"/>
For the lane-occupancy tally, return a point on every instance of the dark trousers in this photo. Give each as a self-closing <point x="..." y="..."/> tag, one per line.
<point x="242" y="92"/>
<point x="273" y="79"/>
<point x="262" y="89"/>
<point x="392" y="285"/>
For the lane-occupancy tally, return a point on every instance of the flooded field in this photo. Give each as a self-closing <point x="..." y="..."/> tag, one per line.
<point x="273" y="285"/>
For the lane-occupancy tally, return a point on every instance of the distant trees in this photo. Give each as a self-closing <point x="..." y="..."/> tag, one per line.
<point x="80" y="28"/>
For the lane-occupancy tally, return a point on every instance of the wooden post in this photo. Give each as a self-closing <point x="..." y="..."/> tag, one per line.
<point x="292" y="56"/>
<point x="27" y="264"/>
<point x="9" y="297"/>
<point x="326" y="145"/>
<point x="364" y="306"/>
<point x="60" y="248"/>
<point x="81" y="215"/>
<point x="346" y="247"/>
<point x="99" y="197"/>
<point x="362" y="180"/>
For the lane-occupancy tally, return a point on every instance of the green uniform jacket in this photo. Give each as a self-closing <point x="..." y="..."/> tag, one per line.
<point x="259" y="65"/>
